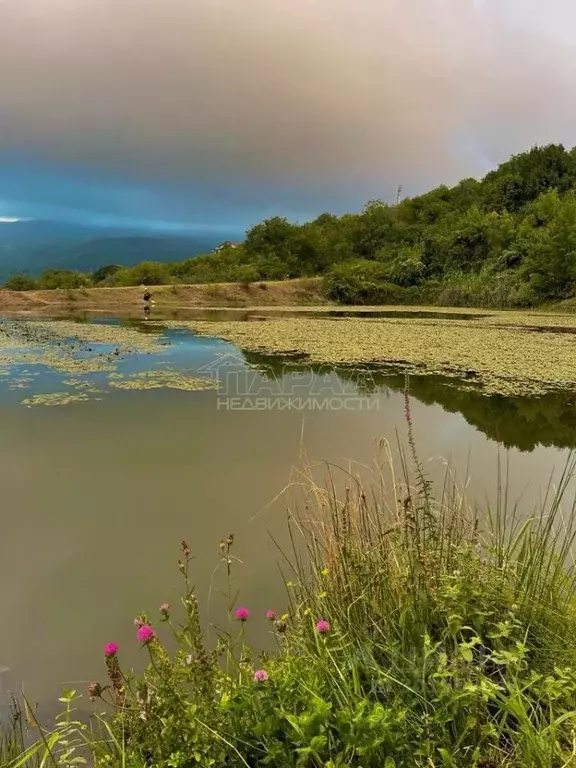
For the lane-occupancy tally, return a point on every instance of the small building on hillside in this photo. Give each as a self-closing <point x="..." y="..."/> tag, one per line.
<point x="226" y="244"/>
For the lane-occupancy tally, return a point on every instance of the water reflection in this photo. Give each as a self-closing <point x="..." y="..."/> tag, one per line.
<point x="98" y="494"/>
<point x="515" y="422"/>
<point x="519" y="422"/>
<point x="242" y="314"/>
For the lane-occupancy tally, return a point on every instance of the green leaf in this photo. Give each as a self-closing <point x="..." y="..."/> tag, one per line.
<point x="447" y="759"/>
<point x="466" y="653"/>
<point x="318" y="743"/>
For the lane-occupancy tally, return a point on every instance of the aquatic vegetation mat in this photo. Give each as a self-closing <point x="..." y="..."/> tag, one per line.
<point x="55" y="398"/>
<point x="162" y="380"/>
<point x="505" y="353"/>
<point x="81" y="350"/>
<point x="69" y="347"/>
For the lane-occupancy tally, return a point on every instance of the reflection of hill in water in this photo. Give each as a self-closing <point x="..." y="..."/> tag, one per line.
<point x="519" y="422"/>
<point x="515" y="422"/>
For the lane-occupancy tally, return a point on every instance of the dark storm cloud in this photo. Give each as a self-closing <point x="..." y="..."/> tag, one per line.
<point x="315" y="100"/>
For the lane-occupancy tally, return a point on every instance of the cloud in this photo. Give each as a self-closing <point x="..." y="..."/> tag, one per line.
<point x="277" y="103"/>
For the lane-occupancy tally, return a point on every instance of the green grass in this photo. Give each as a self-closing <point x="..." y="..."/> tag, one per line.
<point x="14" y="733"/>
<point x="451" y="643"/>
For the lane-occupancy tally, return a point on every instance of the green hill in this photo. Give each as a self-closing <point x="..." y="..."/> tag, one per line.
<point x="506" y="240"/>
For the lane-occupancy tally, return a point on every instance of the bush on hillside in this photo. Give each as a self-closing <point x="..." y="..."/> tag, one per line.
<point x="105" y="274"/>
<point x="404" y="265"/>
<point x="20" y="283"/>
<point x="145" y="273"/>
<point x="485" y="289"/>
<point x="62" y="278"/>
<point x="362" y="282"/>
<point x="247" y="274"/>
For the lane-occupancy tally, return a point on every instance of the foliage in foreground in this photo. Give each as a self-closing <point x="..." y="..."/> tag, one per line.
<point x="12" y="732"/>
<point x="413" y="638"/>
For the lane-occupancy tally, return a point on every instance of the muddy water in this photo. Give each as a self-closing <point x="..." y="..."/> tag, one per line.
<point x="96" y="495"/>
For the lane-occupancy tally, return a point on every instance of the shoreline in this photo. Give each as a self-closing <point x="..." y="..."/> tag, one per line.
<point x="499" y="352"/>
<point x="299" y="292"/>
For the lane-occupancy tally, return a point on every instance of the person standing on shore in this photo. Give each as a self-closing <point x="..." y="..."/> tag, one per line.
<point x="147" y="297"/>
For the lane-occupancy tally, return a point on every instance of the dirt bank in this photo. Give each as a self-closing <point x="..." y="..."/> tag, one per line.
<point x="286" y="293"/>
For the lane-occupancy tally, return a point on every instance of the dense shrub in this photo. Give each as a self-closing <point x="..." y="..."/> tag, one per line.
<point x="105" y="274"/>
<point x="485" y="289"/>
<point x="62" y="278"/>
<point x="20" y="283"/>
<point x="145" y="273"/>
<point x="247" y="274"/>
<point x="404" y="265"/>
<point x="362" y="282"/>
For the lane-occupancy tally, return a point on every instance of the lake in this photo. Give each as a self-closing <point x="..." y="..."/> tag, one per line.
<point x="120" y="438"/>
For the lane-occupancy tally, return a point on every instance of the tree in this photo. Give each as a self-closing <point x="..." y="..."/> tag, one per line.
<point x="103" y="273"/>
<point x="20" y="282"/>
<point x="468" y="241"/>
<point x="247" y="274"/>
<point x="147" y="273"/>
<point x="297" y="247"/>
<point x="62" y="278"/>
<point x="272" y="237"/>
<point x="524" y="177"/>
<point x="550" y="266"/>
<point x="374" y="228"/>
<point x="403" y="264"/>
<point x="362" y="282"/>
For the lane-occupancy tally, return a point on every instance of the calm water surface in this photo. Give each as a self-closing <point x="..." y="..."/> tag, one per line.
<point x="97" y="495"/>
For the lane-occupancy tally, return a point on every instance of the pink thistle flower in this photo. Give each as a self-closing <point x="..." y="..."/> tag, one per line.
<point x="270" y="615"/>
<point x="145" y="633"/>
<point x="322" y="626"/>
<point x="242" y="614"/>
<point x="111" y="649"/>
<point x="260" y="676"/>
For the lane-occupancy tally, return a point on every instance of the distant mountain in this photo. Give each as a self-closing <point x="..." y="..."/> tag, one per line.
<point x="33" y="246"/>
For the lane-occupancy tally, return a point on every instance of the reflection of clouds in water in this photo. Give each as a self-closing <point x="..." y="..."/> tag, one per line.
<point x="453" y="428"/>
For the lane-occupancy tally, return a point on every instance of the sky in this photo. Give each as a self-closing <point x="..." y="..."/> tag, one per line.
<point x="218" y="113"/>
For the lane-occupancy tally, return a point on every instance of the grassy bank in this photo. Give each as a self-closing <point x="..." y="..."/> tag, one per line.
<point x="417" y="632"/>
<point x="298" y="292"/>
